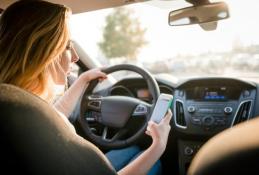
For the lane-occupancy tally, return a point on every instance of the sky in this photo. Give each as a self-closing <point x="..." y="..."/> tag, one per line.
<point x="167" y="41"/>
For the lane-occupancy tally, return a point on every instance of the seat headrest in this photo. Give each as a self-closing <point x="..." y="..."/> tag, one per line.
<point x="233" y="151"/>
<point x="35" y="138"/>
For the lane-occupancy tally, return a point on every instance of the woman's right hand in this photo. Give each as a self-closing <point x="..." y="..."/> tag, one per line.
<point x="159" y="132"/>
<point x="144" y="162"/>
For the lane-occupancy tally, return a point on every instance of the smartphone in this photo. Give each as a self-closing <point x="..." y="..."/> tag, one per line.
<point x="163" y="103"/>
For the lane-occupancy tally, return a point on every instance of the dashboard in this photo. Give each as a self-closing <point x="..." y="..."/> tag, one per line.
<point x="211" y="105"/>
<point x="201" y="108"/>
<point x="206" y="106"/>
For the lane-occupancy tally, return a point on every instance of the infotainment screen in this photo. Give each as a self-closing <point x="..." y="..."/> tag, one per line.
<point x="219" y="93"/>
<point x="214" y="93"/>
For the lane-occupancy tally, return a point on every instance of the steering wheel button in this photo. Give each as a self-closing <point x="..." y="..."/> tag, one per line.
<point x="92" y="97"/>
<point x="90" y="119"/>
<point x="95" y="104"/>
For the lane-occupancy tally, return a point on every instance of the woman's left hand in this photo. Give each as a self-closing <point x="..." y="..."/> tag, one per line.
<point x="93" y="74"/>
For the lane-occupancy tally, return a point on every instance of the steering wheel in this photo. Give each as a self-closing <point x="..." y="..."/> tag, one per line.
<point x="115" y="111"/>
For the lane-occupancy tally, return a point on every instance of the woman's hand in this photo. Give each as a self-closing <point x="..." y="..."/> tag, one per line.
<point x="93" y="74"/>
<point x="67" y="103"/>
<point x="159" y="132"/>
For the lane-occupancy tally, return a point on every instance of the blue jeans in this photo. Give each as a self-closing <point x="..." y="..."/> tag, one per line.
<point x="121" y="157"/>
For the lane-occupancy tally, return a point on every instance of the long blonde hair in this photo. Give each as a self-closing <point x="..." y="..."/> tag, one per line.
<point x="33" y="34"/>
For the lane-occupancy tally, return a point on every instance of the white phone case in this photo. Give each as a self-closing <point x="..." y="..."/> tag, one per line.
<point x="163" y="103"/>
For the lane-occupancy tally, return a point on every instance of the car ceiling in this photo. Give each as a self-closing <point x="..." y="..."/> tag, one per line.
<point x="79" y="6"/>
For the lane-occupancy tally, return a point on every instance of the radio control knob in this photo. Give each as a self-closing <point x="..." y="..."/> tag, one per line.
<point x="191" y="109"/>
<point x="228" y="110"/>
<point x="246" y="93"/>
<point x="208" y="120"/>
<point x="188" y="151"/>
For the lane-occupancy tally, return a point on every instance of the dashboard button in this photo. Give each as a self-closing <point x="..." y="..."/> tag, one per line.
<point x="228" y="110"/>
<point x="246" y="93"/>
<point x="220" y="122"/>
<point x="196" y="120"/>
<point x="181" y="93"/>
<point x="191" y="109"/>
<point x="188" y="151"/>
<point x="208" y="120"/>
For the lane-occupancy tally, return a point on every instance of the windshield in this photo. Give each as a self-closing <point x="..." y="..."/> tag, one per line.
<point x="140" y="34"/>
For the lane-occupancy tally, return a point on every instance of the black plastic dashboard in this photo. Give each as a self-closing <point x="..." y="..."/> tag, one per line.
<point x="202" y="108"/>
<point x="207" y="106"/>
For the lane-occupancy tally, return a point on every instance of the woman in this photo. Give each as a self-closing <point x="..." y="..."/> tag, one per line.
<point x="36" y="53"/>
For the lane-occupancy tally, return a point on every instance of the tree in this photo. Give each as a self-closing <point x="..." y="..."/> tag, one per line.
<point x="122" y="35"/>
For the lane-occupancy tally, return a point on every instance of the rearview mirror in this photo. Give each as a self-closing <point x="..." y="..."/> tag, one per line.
<point x="205" y="13"/>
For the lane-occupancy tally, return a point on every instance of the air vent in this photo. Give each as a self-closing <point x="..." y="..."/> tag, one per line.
<point x="179" y="115"/>
<point x="243" y="112"/>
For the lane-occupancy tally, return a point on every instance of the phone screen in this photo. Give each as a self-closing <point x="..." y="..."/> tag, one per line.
<point x="160" y="110"/>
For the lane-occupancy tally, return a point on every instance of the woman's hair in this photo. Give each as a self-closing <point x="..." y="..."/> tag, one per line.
<point x="33" y="34"/>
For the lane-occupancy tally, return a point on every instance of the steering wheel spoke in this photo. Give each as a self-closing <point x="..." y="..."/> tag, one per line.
<point x="104" y="133"/>
<point x="118" y="134"/>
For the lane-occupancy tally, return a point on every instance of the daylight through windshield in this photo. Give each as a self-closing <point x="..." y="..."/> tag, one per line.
<point x="140" y="34"/>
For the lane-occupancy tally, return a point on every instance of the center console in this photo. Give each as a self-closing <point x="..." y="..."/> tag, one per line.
<point x="205" y="107"/>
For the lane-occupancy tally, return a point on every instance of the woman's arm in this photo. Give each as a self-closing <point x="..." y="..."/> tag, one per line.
<point x="67" y="102"/>
<point x="159" y="133"/>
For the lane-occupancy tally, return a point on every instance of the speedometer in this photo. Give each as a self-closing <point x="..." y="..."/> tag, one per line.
<point x="121" y="90"/>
